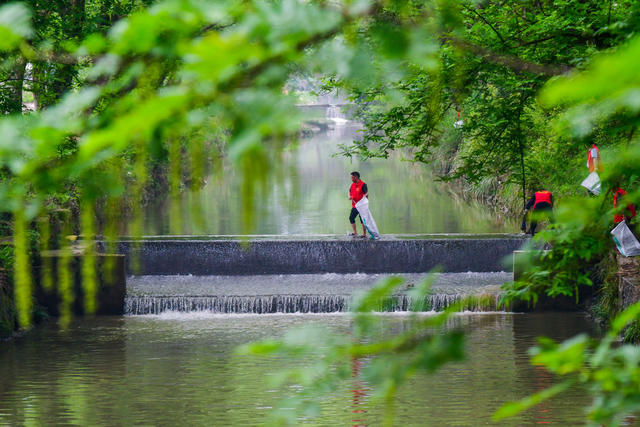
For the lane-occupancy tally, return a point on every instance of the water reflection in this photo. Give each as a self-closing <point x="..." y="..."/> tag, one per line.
<point x="307" y="194"/>
<point x="180" y="368"/>
<point x="359" y="394"/>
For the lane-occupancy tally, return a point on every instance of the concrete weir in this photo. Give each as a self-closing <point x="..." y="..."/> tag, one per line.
<point x="323" y="254"/>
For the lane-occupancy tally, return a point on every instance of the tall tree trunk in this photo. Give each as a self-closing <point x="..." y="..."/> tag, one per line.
<point x="523" y="98"/>
<point x="524" y="181"/>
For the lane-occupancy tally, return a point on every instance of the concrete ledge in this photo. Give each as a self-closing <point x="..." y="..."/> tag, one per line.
<point x="227" y="257"/>
<point x="523" y="259"/>
<point x="111" y="285"/>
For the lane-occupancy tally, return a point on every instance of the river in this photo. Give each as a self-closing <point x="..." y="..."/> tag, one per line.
<point x="179" y="368"/>
<point x="307" y="194"/>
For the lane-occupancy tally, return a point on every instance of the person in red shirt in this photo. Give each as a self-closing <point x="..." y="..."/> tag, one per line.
<point x="540" y="205"/>
<point x="594" y="162"/>
<point x="628" y="213"/>
<point x="357" y="191"/>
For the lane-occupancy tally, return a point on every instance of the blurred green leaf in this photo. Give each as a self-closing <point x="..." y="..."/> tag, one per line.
<point x="15" y="25"/>
<point x="514" y="408"/>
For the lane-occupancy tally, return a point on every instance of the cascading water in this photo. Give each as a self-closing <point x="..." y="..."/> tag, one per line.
<point x="304" y="293"/>
<point x="334" y="113"/>
<point x="263" y="304"/>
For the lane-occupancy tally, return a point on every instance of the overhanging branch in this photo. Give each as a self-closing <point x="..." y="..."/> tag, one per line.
<point x="512" y="62"/>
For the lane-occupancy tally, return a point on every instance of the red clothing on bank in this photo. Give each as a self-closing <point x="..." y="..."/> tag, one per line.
<point x="592" y="154"/>
<point x="619" y="217"/>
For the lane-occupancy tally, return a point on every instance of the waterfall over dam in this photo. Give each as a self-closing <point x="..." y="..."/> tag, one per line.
<point x="305" y="293"/>
<point x="270" y="275"/>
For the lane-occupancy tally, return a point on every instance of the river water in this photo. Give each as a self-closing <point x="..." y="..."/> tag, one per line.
<point x="179" y="368"/>
<point x="307" y="194"/>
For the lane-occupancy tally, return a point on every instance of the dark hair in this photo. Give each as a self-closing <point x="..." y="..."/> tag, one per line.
<point x="356" y="174"/>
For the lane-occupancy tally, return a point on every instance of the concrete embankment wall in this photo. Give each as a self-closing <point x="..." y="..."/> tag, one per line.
<point x="231" y="257"/>
<point x="111" y="284"/>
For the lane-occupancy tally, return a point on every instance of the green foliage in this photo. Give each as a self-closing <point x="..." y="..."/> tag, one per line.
<point x="578" y="241"/>
<point x="23" y="282"/>
<point x="608" y="88"/>
<point x="113" y="94"/>
<point x="489" y="70"/>
<point x="632" y="333"/>
<point x="8" y="322"/>
<point x="596" y="98"/>
<point x="15" y="26"/>
<point x="158" y="73"/>
<point x="387" y="361"/>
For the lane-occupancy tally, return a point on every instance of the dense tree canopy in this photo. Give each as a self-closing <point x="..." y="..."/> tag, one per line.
<point x="119" y="87"/>
<point x="492" y="63"/>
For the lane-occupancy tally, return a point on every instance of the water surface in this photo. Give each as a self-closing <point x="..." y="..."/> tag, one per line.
<point x="308" y="284"/>
<point x="178" y="368"/>
<point x="307" y="195"/>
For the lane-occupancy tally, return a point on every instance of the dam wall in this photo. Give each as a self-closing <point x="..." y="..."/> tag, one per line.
<point x="264" y="256"/>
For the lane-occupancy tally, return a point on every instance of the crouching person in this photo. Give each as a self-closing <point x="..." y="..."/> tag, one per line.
<point x="539" y="207"/>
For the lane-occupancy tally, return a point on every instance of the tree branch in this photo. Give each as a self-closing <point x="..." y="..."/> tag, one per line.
<point x="512" y="62"/>
<point x="486" y="22"/>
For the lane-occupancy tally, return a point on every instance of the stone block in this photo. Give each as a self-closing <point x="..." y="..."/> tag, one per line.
<point x="111" y="283"/>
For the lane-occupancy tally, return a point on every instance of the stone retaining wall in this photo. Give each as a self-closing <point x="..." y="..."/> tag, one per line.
<point x="629" y="284"/>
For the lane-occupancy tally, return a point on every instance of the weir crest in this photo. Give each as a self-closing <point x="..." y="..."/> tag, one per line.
<point x="306" y="275"/>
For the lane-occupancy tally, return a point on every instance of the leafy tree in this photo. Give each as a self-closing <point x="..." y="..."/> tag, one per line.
<point x="155" y="78"/>
<point x="58" y="27"/>
<point x="140" y="91"/>
<point x="494" y="59"/>
<point x="602" y="97"/>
